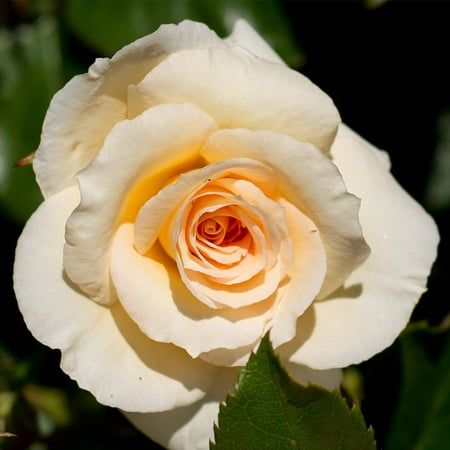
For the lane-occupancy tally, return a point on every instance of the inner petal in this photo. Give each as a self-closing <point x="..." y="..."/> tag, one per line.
<point x="213" y="229"/>
<point x="156" y="215"/>
<point x="236" y="231"/>
<point x="220" y="295"/>
<point x="218" y="217"/>
<point x="226" y="254"/>
<point x="257" y="214"/>
<point x="211" y="263"/>
<point x="225" y="231"/>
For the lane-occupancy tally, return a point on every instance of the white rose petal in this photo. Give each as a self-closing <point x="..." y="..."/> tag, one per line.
<point x="191" y="427"/>
<point x="102" y="349"/>
<point x="242" y="91"/>
<point x="377" y="300"/>
<point x="70" y="138"/>
<point x="234" y="357"/>
<point x="307" y="275"/>
<point x="245" y="36"/>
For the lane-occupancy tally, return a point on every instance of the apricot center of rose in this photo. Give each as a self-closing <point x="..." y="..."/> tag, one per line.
<point x="221" y="230"/>
<point x="227" y="234"/>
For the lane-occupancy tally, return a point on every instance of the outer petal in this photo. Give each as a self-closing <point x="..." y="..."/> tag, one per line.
<point x="188" y="428"/>
<point x="160" y="139"/>
<point x="244" y="35"/>
<point x="231" y="357"/>
<point x="102" y="349"/>
<point x="241" y="90"/>
<point x="83" y="112"/>
<point x="329" y="379"/>
<point x="311" y="183"/>
<point x="153" y="294"/>
<point x="368" y="314"/>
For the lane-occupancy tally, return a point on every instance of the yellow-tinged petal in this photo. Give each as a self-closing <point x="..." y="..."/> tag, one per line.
<point x="161" y="139"/>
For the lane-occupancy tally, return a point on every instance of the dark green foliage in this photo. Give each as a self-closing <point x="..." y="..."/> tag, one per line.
<point x="30" y="73"/>
<point x="94" y="20"/>
<point x="422" y="418"/>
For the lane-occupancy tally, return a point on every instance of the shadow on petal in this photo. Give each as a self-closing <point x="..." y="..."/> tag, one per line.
<point x="305" y="328"/>
<point x="166" y="359"/>
<point x="353" y="291"/>
<point x="229" y="357"/>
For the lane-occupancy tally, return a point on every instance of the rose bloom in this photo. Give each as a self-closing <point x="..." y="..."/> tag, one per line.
<point x="199" y="193"/>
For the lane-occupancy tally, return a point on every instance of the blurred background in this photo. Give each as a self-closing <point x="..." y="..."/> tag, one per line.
<point x="384" y="63"/>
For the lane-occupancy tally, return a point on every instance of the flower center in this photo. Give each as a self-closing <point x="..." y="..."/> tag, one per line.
<point x="221" y="230"/>
<point x="229" y="238"/>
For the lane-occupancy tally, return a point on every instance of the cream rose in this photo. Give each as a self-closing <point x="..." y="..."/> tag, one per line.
<point x="199" y="193"/>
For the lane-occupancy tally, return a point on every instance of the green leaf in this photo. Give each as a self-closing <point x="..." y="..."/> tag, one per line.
<point x="109" y="25"/>
<point x="422" y="418"/>
<point x="271" y="411"/>
<point x="30" y="73"/>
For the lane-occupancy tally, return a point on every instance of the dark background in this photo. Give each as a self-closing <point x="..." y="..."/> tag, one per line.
<point x="386" y="70"/>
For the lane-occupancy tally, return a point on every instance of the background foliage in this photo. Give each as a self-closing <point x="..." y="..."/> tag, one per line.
<point x="384" y="65"/>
